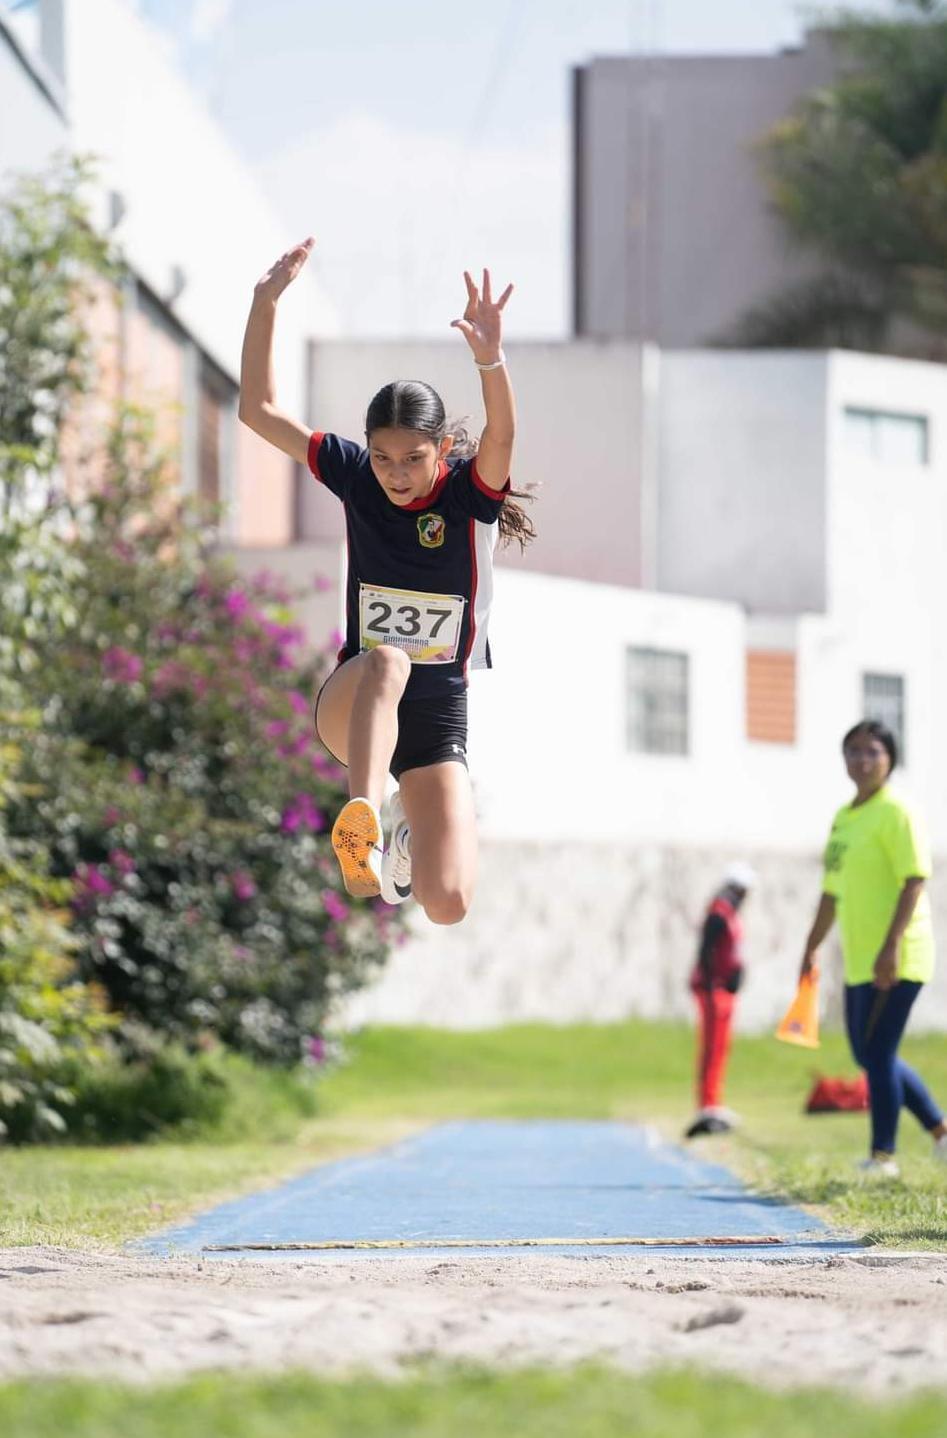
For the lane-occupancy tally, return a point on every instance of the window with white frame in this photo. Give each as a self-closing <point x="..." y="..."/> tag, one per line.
<point x="656" y="686"/>
<point x="883" y="697"/>
<point x="886" y="437"/>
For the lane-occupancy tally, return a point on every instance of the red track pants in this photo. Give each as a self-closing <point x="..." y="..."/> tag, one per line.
<point x="715" y="1007"/>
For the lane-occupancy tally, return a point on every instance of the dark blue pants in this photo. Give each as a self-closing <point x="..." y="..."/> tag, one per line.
<point x="876" y="1020"/>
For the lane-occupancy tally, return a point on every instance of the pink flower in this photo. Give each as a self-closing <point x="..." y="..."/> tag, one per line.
<point x="111" y="816"/>
<point x="336" y="639"/>
<point x="243" y="886"/>
<point x="276" y="728"/>
<point x="121" y="666"/>
<point x="176" y="678"/>
<point x="136" y="775"/>
<point x="172" y="677"/>
<point x="335" y="907"/>
<point x="244" y="650"/>
<point x="295" y="747"/>
<point x="90" y="886"/>
<point x="237" y="604"/>
<point x="122" y="862"/>
<point x="302" y="812"/>
<point x="315" y="1049"/>
<point x="298" y="702"/>
<point x="320" y="584"/>
<point x="241" y="952"/>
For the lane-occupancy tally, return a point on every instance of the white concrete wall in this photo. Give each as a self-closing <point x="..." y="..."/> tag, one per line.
<point x="34" y="117"/>
<point x="548" y="743"/>
<point x="888" y="581"/>
<point x="742" y="487"/>
<point x="579" y="438"/>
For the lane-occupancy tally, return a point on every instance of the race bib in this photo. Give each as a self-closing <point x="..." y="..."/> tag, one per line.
<point x="425" y="626"/>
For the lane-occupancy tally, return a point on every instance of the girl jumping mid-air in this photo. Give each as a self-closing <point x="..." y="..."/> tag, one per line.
<point x="421" y="525"/>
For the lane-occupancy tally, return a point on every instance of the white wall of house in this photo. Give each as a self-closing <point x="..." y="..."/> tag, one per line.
<point x="742" y="466"/>
<point x="773" y="532"/>
<point x="191" y="221"/>
<point x="34" y="105"/>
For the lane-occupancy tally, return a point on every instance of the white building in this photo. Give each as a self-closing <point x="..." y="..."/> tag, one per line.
<point x="94" y="77"/>
<point x="791" y="508"/>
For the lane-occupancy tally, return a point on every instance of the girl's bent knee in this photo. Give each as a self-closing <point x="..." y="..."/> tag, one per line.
<point x="386" y="664"/>
<point x="446" y="908"/>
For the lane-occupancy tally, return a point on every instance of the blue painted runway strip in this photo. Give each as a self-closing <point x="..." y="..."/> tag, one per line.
<point x="489" y="1180"/>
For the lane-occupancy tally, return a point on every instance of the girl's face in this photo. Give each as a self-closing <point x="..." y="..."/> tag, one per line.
<point x="405" y="462"/>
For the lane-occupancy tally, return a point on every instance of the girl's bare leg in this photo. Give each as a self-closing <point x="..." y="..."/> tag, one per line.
<point x="357" y="720"/>
<point x="358" y="717"/>
<point x="439" y="808"/>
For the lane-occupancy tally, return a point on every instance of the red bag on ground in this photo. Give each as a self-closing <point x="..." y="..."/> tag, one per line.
<point x="838" y="1095"/>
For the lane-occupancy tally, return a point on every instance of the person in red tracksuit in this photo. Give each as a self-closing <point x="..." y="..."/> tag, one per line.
<point x="715" y="982"/>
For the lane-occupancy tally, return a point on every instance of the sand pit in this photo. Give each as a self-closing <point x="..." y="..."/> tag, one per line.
<point x="869" y="1321"/>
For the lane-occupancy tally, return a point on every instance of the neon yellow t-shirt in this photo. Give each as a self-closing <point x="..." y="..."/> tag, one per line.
<point x="872" y="849"/>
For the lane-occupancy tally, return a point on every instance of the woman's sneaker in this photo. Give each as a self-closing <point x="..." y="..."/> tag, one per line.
<point x="357" y="841"/>
<point x="879" y="1168"/>
<point x="396" y="863"/>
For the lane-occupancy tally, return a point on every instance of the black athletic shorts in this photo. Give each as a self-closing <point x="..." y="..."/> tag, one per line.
<point x="432" y="730"/>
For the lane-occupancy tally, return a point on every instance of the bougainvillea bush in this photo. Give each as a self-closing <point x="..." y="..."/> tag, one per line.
<point x="179" y="785"/>
<point x="51" y="1024"/>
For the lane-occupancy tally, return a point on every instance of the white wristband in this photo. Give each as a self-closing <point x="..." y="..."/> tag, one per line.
<point x="495" y="364"/>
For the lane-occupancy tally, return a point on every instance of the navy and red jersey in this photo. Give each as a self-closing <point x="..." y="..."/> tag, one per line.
<point x="420" y="575"/>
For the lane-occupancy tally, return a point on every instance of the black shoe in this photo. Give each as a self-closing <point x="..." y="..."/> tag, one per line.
<point x="707" y="1123"/>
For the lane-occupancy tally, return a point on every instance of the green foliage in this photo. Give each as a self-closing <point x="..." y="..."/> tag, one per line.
<point x="858" y="174"/>
<point x="49" y="253"/>
<point x="166" y="1091"/>
<point x="179" y="785"/>
<point x="173" y="785"/>
<point x="49" y="1020"/>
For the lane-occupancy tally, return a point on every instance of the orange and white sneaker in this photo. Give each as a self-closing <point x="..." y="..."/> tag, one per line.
<point x="357" y="841"/>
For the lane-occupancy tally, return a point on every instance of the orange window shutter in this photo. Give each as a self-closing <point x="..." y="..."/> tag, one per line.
<point x="771" y="696"/>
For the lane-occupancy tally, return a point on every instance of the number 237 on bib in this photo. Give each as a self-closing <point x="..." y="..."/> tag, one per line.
<point x="426" y="626"/>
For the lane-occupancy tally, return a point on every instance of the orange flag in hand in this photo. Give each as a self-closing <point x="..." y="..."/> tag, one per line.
<point x="801" y="1022"/>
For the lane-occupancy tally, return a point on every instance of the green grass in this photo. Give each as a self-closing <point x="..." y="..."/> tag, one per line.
<point x="397" y="1079"/>
<point x="581" y="1403"/>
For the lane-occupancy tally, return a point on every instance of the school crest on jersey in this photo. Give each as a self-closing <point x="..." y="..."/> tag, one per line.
<point x="431" y="530"/>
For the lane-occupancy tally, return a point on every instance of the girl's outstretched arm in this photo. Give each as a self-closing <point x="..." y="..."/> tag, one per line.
<point x="258" y="408"/>
<point x="481" y="328"/>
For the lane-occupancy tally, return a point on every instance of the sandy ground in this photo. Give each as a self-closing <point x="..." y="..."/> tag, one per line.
<point x="868" y="1322"/>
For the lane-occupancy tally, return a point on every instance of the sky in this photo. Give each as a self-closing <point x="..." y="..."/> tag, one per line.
<point x="417" y="138"/>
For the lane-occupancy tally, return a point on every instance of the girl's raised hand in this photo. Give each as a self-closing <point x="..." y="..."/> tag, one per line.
<point x="482" y="323"/>
<point x="287" y="267"/>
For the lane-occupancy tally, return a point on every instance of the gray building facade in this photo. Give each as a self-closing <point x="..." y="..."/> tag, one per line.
<point x="673" y="238"/>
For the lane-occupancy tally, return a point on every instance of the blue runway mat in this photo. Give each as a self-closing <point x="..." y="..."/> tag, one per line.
<point x="481" y="1182"/>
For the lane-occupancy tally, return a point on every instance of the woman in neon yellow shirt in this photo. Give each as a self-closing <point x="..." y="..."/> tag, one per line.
<point x="876" y="866"/>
